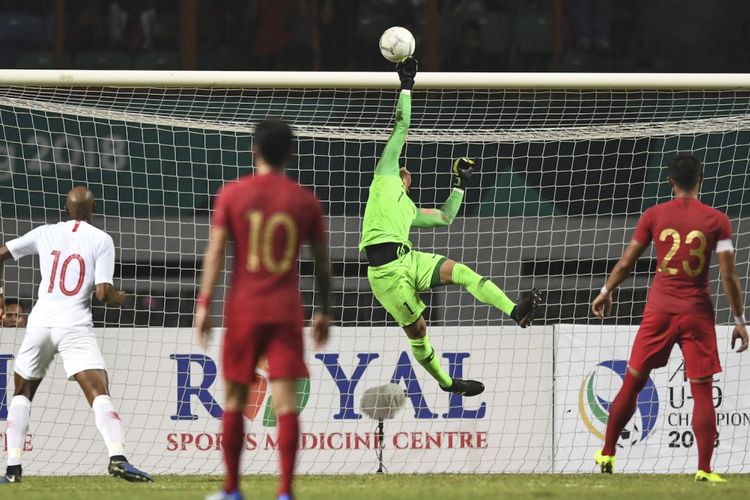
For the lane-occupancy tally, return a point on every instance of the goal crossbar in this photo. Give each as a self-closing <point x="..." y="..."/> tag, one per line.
<point x="365" y="80"/>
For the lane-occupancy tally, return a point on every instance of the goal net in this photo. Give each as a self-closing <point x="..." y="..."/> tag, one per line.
<point x="564" y="173"/>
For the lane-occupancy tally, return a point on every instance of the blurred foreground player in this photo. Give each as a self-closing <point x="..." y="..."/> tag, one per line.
<point x="679" y="308"/>
<point x="268" y="217"/>
<point x="75" y="259"/>
<point x="397" y="273"/>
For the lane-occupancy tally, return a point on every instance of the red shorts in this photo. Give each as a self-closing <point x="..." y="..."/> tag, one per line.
<point x="659" y="332"/>
<point x="245" y="345"/>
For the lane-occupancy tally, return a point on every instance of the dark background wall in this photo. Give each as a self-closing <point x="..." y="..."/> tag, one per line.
<point x="452" y="35"/>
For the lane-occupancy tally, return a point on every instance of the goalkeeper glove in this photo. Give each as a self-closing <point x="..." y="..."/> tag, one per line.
<point x="463" y="168"/>
<point x="407" y="70"/>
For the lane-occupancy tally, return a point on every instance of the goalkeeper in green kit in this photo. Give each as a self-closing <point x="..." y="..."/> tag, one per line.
<point x="396" y="272"/>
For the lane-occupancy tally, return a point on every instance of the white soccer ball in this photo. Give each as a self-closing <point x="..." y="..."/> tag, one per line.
<point x="396" y="44"/>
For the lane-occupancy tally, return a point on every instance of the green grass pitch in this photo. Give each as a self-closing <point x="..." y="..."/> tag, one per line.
<point x="406" y="487"/>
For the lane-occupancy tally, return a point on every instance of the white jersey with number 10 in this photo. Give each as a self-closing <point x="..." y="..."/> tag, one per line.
<point x="74" y="257"/>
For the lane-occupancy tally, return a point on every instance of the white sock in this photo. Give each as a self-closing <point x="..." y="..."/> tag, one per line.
<point x="17" y="427"/>
<point x="109" y="425"/>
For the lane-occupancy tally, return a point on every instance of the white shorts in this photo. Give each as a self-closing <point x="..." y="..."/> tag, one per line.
<point x="77" y="346"/>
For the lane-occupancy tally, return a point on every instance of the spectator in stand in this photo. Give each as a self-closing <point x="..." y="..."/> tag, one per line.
<point x="468" y="54"/>
<point x="15" y="314"/>
<point x="23" y="26"/>
<point x="144" y="24"/>
<point x="592" y="24"/>
<point x="274" y="32"/>
<point x="339" y="46"/>
<point x="87" y="27"/>
<point x="462" y="9"/>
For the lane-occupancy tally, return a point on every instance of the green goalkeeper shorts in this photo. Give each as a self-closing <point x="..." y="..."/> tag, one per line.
<point x="397" y="284"/>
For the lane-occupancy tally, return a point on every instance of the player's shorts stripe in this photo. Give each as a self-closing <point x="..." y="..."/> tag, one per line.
<point x="429" y="358"/>
<point x="435" y="281"/>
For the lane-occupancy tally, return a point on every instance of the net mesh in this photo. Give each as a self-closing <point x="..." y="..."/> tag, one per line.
<point x="563" y="177"/>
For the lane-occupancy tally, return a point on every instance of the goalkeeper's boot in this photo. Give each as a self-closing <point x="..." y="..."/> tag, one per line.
<point x="465" y="387"/>
<point x="12" y="475"/>
<point x="223" y="495"/>
<point x="119" y="467"/>
<point x="709" y="477"/>
<point x="605" y="462"/>
<point x="523" y="312"/>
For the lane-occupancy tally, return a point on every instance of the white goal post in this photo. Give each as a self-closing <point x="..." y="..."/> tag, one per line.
<point x="374" y="80"/>
<point x="566" y="163"/>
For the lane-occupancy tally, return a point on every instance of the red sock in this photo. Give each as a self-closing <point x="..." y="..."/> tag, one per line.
<point x="233" y="429"/>
<point x="288" y="440"/>
<point x="621" y="411"/>
<point x="704" y="423"/>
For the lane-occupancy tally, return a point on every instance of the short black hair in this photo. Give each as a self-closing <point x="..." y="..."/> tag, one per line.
<point x="274" y="141"/>
<point x="471" y="25"/>
<point x="686" y="171"/>
<point x="12" y="302"/>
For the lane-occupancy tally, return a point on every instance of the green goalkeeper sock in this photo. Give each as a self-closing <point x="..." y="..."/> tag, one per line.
<point x="483" y="289"/>
<point x="425" y="354"/>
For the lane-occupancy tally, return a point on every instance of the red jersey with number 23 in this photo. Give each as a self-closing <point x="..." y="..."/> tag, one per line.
<point x="269" y="217"/>
<point x="685" y="232"/>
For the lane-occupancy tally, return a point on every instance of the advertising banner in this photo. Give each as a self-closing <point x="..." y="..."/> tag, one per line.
<point x="590" y="364"/>
<point x="169" y="395"/>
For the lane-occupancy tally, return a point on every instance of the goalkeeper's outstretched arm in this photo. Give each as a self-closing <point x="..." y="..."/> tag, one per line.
<point x="463" y="168"/>
<point x="443" y="216"/>
<point x="388" y="163"/>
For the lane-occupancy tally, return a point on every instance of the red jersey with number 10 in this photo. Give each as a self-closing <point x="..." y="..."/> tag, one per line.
<point x="268" y="217"/>
<point x="685" y="232"/>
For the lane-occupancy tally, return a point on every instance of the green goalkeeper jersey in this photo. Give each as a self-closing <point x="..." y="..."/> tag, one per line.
<point x="390" y="213"/>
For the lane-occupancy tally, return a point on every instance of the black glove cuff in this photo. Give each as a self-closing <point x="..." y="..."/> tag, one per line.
<point x="407" y="84"/>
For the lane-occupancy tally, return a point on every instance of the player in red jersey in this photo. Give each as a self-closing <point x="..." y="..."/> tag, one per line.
<point x="679" y="308"/>
<point x="267" y="216"/>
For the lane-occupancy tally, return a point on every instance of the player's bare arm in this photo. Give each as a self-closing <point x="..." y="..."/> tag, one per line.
<point x="106" y="293"/>
<point x="321" y="322"/>
<point x="213" y="263"/>
<point x="4" y="255"/>
<point x="731" y="283"/>
<point x="602" y="304"/>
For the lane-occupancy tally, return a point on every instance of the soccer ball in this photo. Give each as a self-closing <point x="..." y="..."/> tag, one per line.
<point x="630" y="435"/>
<point x="396" y="44"/>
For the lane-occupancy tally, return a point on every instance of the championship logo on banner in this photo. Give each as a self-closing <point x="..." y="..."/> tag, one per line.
<point x="594" y="409"/>
<point x="590" y="365"/>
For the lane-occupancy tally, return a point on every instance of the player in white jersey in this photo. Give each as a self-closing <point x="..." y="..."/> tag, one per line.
<point x="75" y="259"/>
